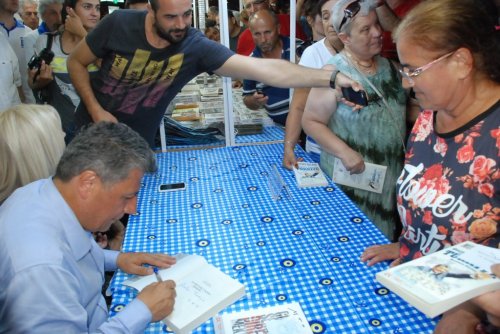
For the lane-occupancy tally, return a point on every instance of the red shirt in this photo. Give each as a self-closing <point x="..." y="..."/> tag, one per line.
<point x="245" y="41"/>
<point x="388" y="46"/>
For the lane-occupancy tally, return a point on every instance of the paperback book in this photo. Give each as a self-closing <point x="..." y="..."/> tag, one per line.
<point x="309" y="174"/>
<point x="440" y="281"/>
<point x="202" y="291"/>
<point x="280" y="319"/>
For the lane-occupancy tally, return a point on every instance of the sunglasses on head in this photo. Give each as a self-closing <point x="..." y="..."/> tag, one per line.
<point x="349" y="13"/>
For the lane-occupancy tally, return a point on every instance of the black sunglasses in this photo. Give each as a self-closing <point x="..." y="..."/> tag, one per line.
<point x="349" y="12"/>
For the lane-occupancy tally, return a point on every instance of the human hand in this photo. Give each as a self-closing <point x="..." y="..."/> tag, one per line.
<point x="488" y="302"/>
<point x="289" y="159"/>
<point x="353" y="162"/>
<point x="343" y="80"/>
<point x="159" y="298"/>
<point x="378" y="253"/>
<point x="101" y="239"/>
<point x="237" y="83"/>
<point x="103" y="116"/>
<point x="260" y="99"/>
<point x="132" y="263"/>
<point x="41" y="77"/>
<point x="73" y="23"/>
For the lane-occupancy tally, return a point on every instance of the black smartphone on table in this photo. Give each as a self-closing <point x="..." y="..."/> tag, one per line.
<point x="171" y="187"/>
<point x="358" y="97"/>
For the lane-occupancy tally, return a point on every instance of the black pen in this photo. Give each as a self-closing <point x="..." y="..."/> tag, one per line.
<point x="158" y="277"/>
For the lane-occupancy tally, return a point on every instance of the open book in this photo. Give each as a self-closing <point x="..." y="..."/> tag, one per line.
<point x="280" y="319"/>
<point x="440" y="281"/>
<point x="202" y="291"/>
<point x="309" y="174"/>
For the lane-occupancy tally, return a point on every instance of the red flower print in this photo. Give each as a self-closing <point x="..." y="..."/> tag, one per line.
<point x="433" y="172"/>
<point x="496" y="134"/>
<point x="481" y="168"/>
<point x="440" y="147"/>
<point x="482" y="228"/>
<point x="486" y="189"/>
<point x="443" y="230"/>
<point x="427" y="218"/>
<point x="417" y="255"/>
<point x="423" y="126"/>
<point x="459" y="236"/>
<point x="403" y="250"/>
<point x="487" y="207"/>
<point x="465" y="154"/>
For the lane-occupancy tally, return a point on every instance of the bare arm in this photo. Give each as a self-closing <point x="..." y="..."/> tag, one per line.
<point x="21" y="94"/>
<point x="321" y="104"/>
<point x="274" y="72"/>
<point x="387" y="18"/>
<point x="299" y="9"/>
<point x="77" y="62"/>
<point x="293" y="125"/>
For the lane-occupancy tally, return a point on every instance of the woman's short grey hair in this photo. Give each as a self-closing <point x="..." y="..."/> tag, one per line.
<point x="42" y="5"/>
<point x="337" y="14"/>
<point x="111" y="150"/>
<point x="31" y="134"/>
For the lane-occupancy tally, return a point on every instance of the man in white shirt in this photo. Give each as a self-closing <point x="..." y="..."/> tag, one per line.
<point x="10" y="79"/>
<point x="15" y="32"/>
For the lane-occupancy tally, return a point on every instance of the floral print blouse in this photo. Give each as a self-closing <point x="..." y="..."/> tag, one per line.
<point x="448" y="191"/>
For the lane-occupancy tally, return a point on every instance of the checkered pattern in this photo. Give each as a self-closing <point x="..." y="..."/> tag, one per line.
<point x="303" y="249"/>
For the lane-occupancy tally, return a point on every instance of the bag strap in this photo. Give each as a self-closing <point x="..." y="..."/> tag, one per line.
<point x="50" y="38"/>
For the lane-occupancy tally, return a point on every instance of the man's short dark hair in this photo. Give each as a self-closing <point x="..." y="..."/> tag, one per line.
<point x="111" y="150"/>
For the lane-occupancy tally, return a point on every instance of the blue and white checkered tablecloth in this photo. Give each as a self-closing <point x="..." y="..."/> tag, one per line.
<point x="305" y="248"/>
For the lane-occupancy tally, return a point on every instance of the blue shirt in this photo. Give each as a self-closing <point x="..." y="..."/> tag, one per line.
<point x="52" y="271"/>
<point x="42" y="28"/>
<point x="279" y="98"/>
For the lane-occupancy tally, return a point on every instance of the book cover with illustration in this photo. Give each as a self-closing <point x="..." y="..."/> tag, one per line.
<point x="440" y="281"/>
<point x="309" y="174"/>
<point x="280" y="319"/>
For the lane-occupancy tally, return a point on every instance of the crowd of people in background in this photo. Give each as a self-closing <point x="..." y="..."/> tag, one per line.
<point x="430" y="72"/>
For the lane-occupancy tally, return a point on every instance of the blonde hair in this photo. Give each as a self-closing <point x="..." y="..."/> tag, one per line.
<point x="33" y="138"/>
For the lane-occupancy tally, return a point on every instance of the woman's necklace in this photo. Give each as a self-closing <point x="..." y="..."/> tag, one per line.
<point x="368" y="69"/>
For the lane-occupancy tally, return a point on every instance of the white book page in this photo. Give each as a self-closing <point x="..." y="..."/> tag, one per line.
<point x="201" y="291"/>
<point x="184" y="265"/>
<point x="372" y="179"/>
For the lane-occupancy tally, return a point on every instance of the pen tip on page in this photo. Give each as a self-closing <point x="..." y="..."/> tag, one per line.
<point x="158" y="277"/>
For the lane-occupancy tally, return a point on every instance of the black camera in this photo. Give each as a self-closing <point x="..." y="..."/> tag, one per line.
<point x="45" y="55"/>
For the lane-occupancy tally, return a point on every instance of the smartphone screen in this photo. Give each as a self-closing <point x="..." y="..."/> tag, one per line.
<point x="358" y="97"/>
<point x="171" y="186"/>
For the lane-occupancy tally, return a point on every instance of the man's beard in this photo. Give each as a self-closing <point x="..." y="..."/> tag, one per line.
<point x="168" y="34"/>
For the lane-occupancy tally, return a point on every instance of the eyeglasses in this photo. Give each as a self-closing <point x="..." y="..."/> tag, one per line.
<point x="349" y="13"/>
<point x="409" y="74"/>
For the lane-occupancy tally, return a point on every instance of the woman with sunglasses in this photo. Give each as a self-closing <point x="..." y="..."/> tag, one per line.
<point x="448" y="191"/>
<point x="374" y="133"/>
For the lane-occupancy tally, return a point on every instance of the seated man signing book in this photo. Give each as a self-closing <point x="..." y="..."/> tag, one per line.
<point x="51" y="269"/>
